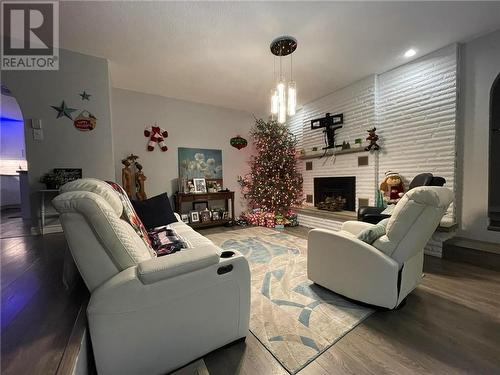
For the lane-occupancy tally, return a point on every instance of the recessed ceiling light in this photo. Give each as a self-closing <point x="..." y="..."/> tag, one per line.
<point x="411" y="52"/>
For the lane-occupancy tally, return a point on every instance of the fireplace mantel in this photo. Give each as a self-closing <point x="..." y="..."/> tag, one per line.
<point x="321" y="153"/>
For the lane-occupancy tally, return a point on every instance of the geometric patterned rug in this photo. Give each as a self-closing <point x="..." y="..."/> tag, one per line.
<point x="293" y="318"/>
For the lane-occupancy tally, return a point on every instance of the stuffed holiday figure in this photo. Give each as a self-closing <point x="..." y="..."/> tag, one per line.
<point x="392" y="187"/>
<point x="156" y="135"/>
<point x="372" y="138"/>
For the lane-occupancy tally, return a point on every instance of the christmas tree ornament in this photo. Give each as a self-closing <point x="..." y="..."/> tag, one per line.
<point x="85" y="95"/>
<point x="63" y="110"/>
<point x="85" y="121"/>
<point x="156" y="135"/>
<point x="238" y="142"/>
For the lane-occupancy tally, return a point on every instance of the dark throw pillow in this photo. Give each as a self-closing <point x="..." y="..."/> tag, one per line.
<point x="155" y="212"/>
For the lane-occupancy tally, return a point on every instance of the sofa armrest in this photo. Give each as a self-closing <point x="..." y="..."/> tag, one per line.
<point x="184" y="261"/>
<point x="356" y="227"/>
<point x="202" y="310"/>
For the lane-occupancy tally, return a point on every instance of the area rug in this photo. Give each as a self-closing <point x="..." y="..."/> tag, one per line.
<point x="293" y="318"/>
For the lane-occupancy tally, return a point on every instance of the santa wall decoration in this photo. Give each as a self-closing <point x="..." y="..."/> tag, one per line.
<point x="156" y="135"/>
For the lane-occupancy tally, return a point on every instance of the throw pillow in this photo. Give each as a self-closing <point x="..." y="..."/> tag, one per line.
<point x="166" y="241"/>
<point x="155" y="212"/>
<point x="370" y="235"/>
<point x="131" y="216"/>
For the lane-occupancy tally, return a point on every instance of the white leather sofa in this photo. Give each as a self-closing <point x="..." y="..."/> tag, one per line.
<point x="150" y="315"/>
<point x="383" y="273"/>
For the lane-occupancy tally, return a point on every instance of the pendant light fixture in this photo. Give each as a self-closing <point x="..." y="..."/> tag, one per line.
<point x="283" y="96"/>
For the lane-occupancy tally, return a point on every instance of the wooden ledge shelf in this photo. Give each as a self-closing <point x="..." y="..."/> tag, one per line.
<point x="332" y="153"/>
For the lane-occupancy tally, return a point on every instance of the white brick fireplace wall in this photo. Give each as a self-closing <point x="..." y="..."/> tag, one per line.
<point x="414" y="108"/>
<point x="357" y="103"/>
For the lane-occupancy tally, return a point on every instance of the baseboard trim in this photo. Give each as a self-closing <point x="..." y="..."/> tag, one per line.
<point x="73" y="347"/>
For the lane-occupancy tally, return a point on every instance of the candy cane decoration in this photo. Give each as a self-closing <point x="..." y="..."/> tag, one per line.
<point x="156" y="135"/>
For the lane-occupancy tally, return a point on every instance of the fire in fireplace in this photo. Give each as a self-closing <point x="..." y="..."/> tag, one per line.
<point x="335" y="193"/>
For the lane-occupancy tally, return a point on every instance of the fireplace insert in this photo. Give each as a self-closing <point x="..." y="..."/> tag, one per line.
<point x="331" y="189"/>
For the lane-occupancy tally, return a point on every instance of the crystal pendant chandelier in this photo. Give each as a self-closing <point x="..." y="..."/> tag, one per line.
<point x="283" y="95"/>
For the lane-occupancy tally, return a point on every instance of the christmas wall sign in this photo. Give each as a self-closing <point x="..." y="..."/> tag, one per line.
<point x="85" y="121"/>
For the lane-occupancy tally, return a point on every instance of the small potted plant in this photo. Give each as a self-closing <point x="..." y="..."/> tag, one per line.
<point x="52" y="180"/>
<point x="358" y="142"/>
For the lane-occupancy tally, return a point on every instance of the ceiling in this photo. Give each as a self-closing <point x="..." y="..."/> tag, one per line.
<point x="218" y="52"/>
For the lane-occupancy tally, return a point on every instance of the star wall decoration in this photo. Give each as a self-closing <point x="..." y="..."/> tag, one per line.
<point x="64" y="110"/>
<point x="85" y="95"/>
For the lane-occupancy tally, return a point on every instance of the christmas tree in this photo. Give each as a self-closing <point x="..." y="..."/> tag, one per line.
<point x="273" y="184"/>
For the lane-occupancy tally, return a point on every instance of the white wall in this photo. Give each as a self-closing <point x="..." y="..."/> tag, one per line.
<point x="189" y="125"/>
<point x="64" y="146"/>
<point x="480" y="59"/>
<point x="417" y="116"/>
<point x="414" y="109"/>
<point x="357" y="103"/>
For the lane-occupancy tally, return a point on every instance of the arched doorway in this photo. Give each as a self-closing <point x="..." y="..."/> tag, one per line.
<point x="494" y="172"/>
<point x="12" y="155"/>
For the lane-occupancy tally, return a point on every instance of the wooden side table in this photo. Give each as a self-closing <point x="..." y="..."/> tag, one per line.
<point x="43" y="213"/>
<point x="203" y="197"/>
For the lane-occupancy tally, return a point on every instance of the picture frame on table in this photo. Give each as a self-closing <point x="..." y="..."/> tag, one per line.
<point x="200" y="185"/>
<point x="215" y="215"/>
<point x="225" y="215"/>
<point x="194" y="217"/>
<point x="185" y="218"/>
<point x="205" y="216"/>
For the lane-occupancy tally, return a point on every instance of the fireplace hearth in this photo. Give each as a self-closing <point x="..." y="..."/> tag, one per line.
<point x="335" y="193"/>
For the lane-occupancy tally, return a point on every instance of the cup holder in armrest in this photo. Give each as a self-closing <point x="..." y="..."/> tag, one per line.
<point x="227" y="254"/>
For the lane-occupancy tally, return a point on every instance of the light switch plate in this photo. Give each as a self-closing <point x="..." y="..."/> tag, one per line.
<point x="38" y="134"/>
<point x="36" y="123"/>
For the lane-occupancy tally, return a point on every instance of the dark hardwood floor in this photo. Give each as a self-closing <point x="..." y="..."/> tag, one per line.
<point x="37" y="312"/>
<point x="450" y="325"/>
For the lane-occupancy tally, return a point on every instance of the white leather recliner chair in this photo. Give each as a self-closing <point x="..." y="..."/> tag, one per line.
<point x="383" y="273"/>
<point x="150" y="315"/>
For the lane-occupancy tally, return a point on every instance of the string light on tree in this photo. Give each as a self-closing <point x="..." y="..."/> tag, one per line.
<point x="274" y="183"/>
